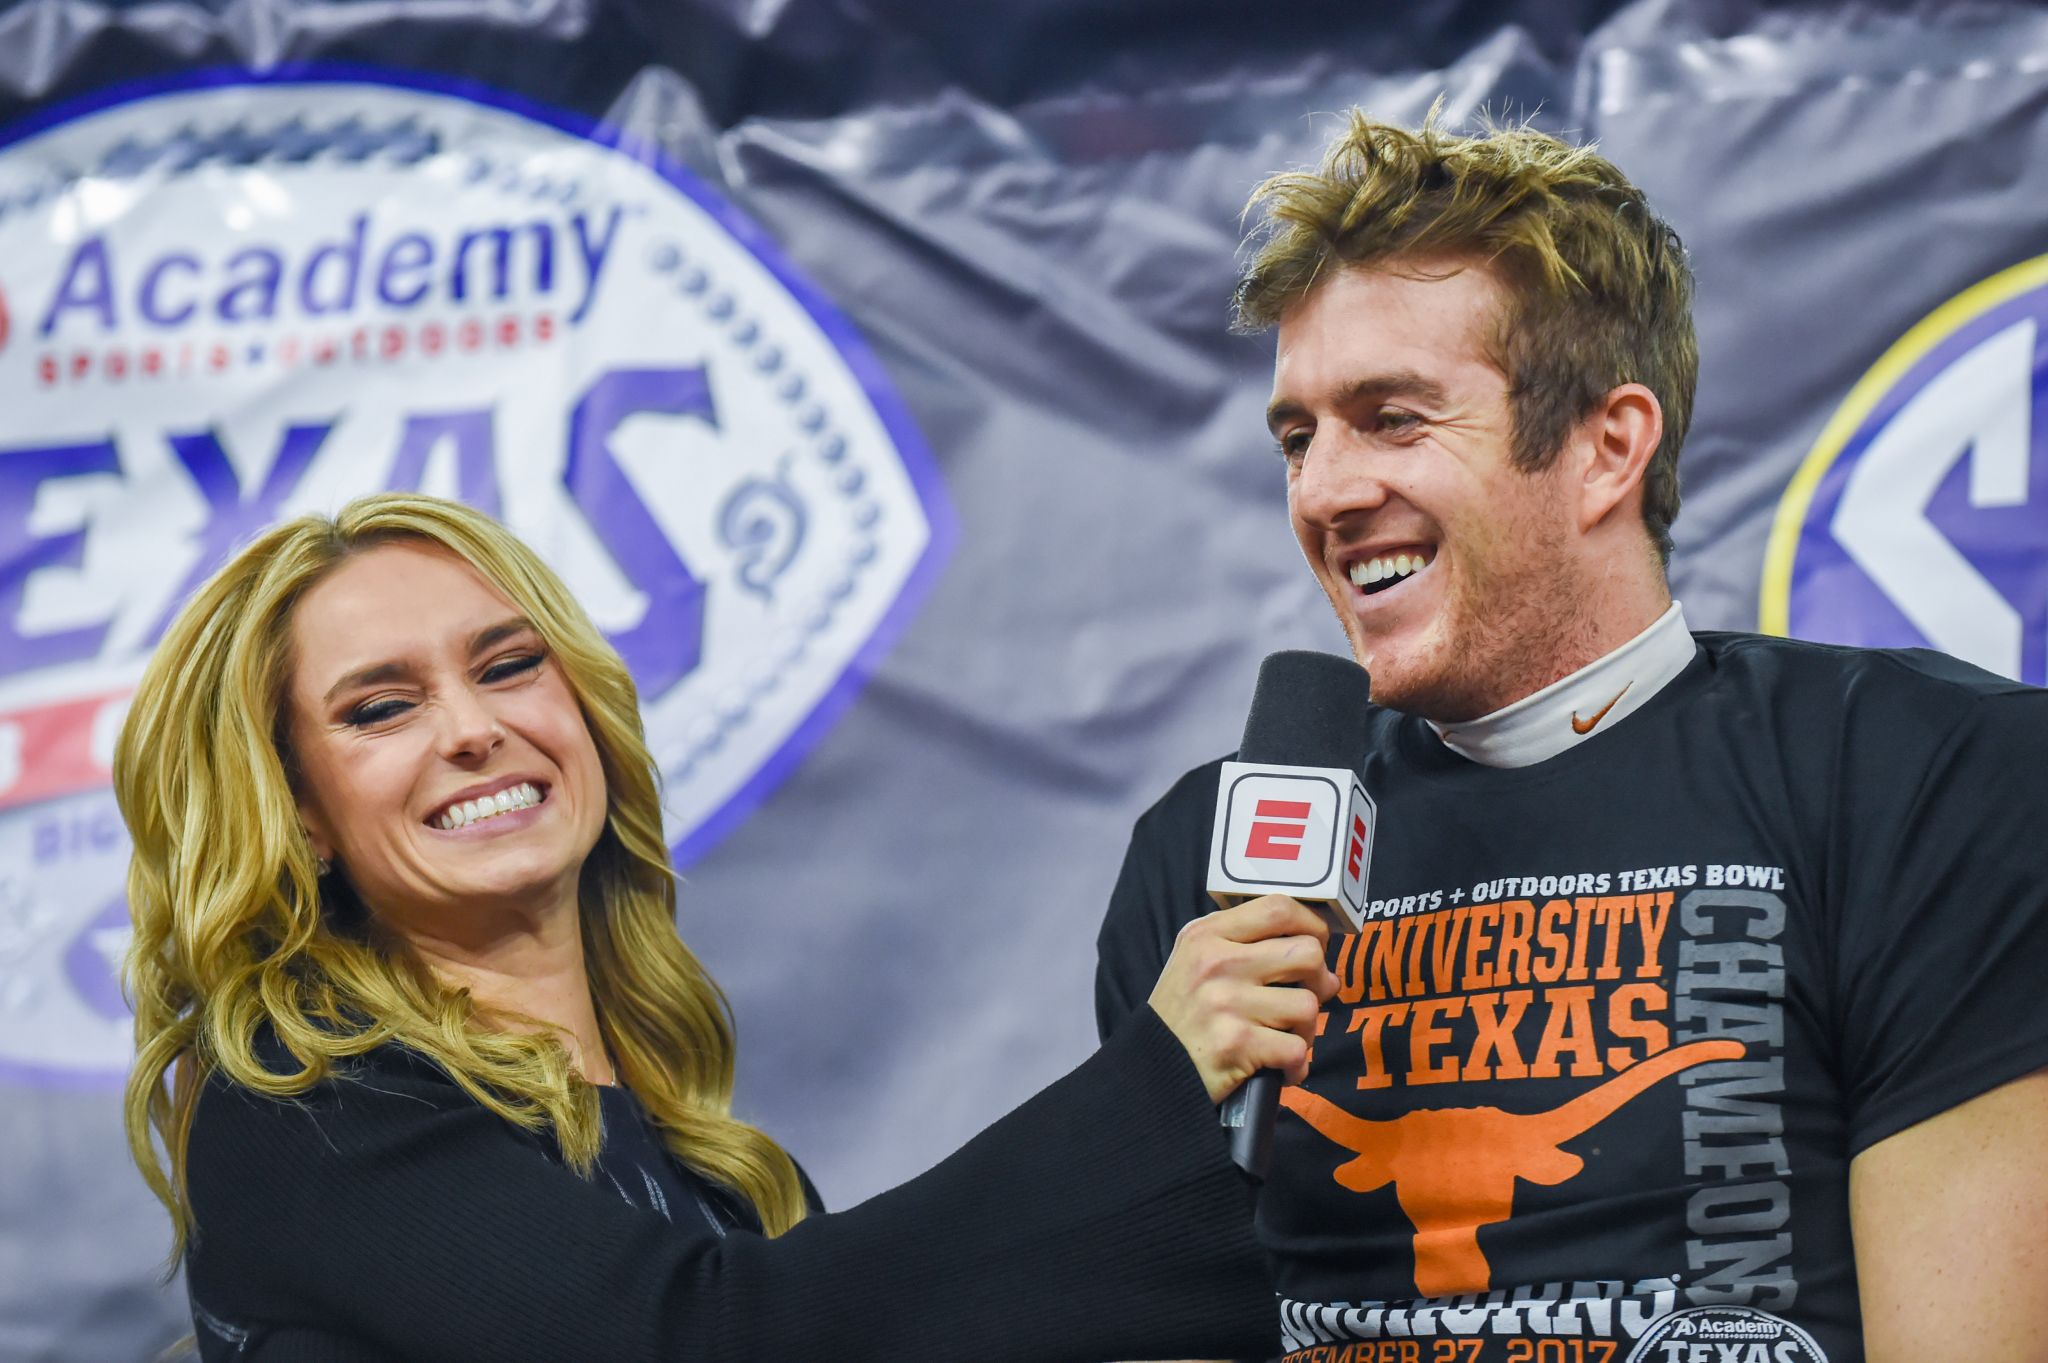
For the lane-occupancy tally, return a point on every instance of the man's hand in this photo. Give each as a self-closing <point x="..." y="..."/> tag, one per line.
<point x="1242" y="990"/>
<point x="1950" y="1221"/>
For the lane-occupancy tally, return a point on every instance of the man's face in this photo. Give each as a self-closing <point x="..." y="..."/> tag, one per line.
<point x="1450" y="570"/>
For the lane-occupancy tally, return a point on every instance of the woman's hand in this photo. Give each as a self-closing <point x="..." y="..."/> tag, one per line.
<point x="1242" y="990"/>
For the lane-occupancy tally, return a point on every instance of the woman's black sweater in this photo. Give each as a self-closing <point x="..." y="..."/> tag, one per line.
<point x="386" y="1215"/>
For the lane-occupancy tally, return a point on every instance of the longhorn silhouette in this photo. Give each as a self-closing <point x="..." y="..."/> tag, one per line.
<point x="1454" y="1169"/>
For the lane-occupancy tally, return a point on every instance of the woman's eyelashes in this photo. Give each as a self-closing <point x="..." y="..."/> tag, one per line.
<point x="374" y="712"/>
<point x="382" y="709"/>
<point x="507" y="668"/>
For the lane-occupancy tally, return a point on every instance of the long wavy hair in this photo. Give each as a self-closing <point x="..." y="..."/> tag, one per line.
<point x="236" y="930"/>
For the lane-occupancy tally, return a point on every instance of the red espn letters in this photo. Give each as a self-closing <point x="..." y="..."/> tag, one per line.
<point x="1277" y="841"/>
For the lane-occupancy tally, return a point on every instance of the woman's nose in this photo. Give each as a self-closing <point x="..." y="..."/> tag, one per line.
<point x="469" y="729"/>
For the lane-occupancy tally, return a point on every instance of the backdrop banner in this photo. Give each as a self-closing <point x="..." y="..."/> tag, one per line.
<point x="866" y="373"/>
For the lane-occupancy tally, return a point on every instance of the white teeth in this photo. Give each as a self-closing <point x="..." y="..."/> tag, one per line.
<point x="522" y="796"/>
<point x="1387" y="566"/>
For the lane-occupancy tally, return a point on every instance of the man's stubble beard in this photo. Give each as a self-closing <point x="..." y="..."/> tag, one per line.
<point x="1499" y="637"/>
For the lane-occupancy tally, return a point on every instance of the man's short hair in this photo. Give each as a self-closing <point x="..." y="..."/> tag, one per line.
<point x="1598" y="290"/>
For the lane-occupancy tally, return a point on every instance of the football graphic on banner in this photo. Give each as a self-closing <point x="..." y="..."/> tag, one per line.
<point x="232" y="300"/>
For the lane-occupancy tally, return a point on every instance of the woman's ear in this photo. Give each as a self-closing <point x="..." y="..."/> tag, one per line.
<point x="316" y="834"/>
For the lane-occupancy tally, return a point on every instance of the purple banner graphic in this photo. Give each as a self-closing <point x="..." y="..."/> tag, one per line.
<point x="1921" y="517"/>
<point x="236" y="299"/>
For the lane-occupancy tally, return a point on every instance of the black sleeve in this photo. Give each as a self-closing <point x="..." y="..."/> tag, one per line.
<point x="1102" y="1218"/>
<point x="1161" y="887"/>
<point x="1943" y="931"/>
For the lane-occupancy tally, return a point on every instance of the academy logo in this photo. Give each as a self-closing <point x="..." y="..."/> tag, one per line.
<point x="1918" y="517"/>
<point x="1726" y="1334"/>
<point x="232" y="299"/>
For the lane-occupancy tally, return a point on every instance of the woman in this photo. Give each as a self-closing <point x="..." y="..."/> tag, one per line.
<point x="435" y="1079"/>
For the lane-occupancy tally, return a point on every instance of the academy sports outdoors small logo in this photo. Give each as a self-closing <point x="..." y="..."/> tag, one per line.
<point x="229" y="299"/>
<point x="1726" y="1334"/>
<point x="1920" y="518"/>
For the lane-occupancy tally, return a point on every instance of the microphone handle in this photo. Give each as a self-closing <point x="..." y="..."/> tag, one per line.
<point x="1249" y="1114"/>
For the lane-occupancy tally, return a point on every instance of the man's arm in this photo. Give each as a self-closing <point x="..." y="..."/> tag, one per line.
<point x="1950" y="1222"/>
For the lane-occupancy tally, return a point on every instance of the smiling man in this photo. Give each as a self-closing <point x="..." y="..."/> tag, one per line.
<point x="1696" y="1014"/>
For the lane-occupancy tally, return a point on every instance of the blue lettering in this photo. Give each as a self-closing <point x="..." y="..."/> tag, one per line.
<point x="593" y="251"/>
<point x="22" y="554"/>
<point x="348" y="254"/>
<point x="88" y="283"/>
<point x="411" y="254"/>
<point x="476" y="465"/>
<point x="501" y="259"/>
<point x="47" y="841"/>
<point x="230" y="516"/>
<point x="149" y="305"/>
<point x="667" y="643"/>
<point x="77" y="832"/>
<point x="253" y="298"/>
<point x="337" y="274"/>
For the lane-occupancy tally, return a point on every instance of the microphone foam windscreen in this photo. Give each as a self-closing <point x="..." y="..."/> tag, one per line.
<point x="1308" y="710"/>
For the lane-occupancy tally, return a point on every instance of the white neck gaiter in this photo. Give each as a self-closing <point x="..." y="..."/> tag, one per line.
<point x="1568" y="711"/>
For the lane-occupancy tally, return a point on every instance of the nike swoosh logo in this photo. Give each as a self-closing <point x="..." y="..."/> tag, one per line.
<point x="1585" y="726"/>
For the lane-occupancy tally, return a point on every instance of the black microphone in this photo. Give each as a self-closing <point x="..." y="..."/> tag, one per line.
<point x="1293" y="819"/>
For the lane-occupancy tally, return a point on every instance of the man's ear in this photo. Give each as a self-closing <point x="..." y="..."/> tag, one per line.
<point x="1616" y="440"/>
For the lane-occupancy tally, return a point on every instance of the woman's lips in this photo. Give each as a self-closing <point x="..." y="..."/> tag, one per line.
<point x="506" y="802"/>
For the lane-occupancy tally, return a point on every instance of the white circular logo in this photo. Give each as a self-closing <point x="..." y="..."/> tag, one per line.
<point x="232" y="301"/>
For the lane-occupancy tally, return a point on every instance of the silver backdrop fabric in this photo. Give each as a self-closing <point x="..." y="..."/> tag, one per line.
<point x="1032" y="217"/>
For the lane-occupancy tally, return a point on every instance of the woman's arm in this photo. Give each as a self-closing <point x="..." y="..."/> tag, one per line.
<point x="1102" y="1218"/>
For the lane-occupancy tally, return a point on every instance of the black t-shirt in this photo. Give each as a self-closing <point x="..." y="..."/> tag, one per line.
<point x="1619" y="1020"/>
<point x="385" y="1215"/>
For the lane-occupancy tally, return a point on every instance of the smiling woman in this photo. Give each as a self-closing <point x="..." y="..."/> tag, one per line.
<point x="434" y="1076"/>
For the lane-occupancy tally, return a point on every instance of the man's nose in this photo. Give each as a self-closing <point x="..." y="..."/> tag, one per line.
<point x="1334" y="485"/>
<point x="469" y="729"/>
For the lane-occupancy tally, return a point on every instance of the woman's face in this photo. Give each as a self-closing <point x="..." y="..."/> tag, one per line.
<point x="426" y="717"/>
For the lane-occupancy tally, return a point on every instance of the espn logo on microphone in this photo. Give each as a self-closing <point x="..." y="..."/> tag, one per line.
<point x="1300" y="831"/>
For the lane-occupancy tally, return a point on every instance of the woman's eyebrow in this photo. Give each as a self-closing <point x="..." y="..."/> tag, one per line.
<point x="369" y="676"/>
<point x="498" y="633"/>
<point x="378" y="673"/>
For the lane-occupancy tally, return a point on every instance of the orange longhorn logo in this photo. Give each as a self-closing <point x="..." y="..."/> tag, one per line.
<point x="1454" y="1169"/>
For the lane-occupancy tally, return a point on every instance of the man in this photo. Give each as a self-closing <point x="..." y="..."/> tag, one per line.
<point x="1698" y="1014"/>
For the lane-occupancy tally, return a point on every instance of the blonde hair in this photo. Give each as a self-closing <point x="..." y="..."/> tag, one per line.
<point x="1598" y="292"/>
<point x="236" y="930"/>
